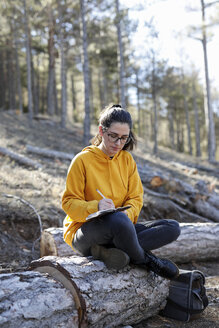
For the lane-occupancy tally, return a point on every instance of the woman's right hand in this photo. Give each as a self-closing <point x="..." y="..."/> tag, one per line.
<point x="105" y="204"/>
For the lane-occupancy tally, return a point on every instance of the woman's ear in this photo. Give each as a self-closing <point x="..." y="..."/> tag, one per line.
<point x="100" y="130"/>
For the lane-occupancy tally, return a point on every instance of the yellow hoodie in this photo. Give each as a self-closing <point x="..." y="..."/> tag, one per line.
<point x="116" y="178"/>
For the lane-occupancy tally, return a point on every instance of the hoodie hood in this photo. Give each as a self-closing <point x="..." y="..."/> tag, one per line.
<point x="113" y="168"/>
<point x="100" y="154"/>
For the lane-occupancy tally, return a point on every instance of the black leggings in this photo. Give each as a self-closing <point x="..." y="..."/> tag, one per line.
<point x="117" y="230"/>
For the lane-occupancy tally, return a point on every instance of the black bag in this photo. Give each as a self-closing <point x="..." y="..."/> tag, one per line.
<point x="187" y="296"/>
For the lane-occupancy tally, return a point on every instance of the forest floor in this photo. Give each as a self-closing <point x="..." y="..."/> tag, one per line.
<point x="29" y="196"/>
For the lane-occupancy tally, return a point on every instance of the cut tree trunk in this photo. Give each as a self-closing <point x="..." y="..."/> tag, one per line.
<point x="107" y="298"/>
<point x="198" y="241"/>
<point x="33" y="300"/>
<point x="79" y="292"/>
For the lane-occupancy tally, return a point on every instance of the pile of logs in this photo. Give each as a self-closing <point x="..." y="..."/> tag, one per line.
<point x="169" y="197"/>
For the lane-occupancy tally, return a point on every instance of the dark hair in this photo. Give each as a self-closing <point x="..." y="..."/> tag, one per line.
<point x="111" y="114"/>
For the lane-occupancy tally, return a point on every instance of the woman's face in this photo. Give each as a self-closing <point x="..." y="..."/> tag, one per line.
<point x="110" y="144"/>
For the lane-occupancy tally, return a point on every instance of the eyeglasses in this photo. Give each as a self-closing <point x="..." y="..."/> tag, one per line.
<point x="114" y="138"/>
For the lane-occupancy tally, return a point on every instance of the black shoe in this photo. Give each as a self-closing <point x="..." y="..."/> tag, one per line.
<point x="162" y="267"/>
<point x="114" y="258"/>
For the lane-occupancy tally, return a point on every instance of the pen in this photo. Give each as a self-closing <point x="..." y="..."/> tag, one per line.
<point x="99" y="192"/>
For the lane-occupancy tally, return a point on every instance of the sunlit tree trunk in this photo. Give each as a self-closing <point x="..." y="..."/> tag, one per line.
<point x="186" y="109"/>
<point x="121" y="59"/>
<point x="18" y="73"/>
<point x="86" y="137"/>
<point x="2" y="81"/>
<point x="28" y="60"/>
<point x="17" y="64"/>
<point x="211" y="126"/>
<point x="196" y="119"/>
<point x="138" y="101"/>
<point x="51" y="70"/>
<point x="10" y="73"/>
<point x="171" y="126"/>
<point x="73" y="98"/>
<point x="154" y="98"/>
<point x="63" y="70"/>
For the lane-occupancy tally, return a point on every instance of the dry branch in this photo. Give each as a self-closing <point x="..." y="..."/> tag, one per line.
<point x="49" y="153"/>
<point x="198" y="241"/>
<point x="19" y="158"/>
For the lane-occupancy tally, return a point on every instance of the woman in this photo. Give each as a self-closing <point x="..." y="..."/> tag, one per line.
<point x="108" y="167"/>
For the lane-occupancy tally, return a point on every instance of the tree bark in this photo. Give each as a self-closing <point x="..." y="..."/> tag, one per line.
<point x="79" y="292"/>
<point x="28" y="60"/>
<point x="51" y="69"/>
<point x="33" y="300"/>
<point x="186" y="109"/>
<point x="196" y="119"/>
<point x="198" y="241"/>
<point x="86" y="76"/>
<point x="107" y="298"/>
<point x="121" y="59"/>
<point x="211" y="127"/>
<point x="63" y="74"/>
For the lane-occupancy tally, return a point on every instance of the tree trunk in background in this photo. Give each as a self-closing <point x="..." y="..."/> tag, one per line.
<point x="86" y="76"/>
<point x="171" y="127"/>
<point x="74" y="99"/>
<point x="2" y="80"/>
<point x="10" y="72"/>
<point x="28" y="59"/>
<point x="196" y="119"/>
<point x="121" y="59"/>
<point x="138" y="102"/>
<point x="100" y="87"/>
<point x="18" y="72"/>
<point x="64" y="87"/>
<point x="154" y="98"/>
<point x="63" y="71"/>
<point x="92" y="111"/>
<point x="34" y="89"/>
<point x="51" y="72"/>
<point x="104" y="84"/>
<point x="37" y="86"/>
<point x="211" y="127"/>
<point x="57" y="112"/>
<point x="186" y="109"/>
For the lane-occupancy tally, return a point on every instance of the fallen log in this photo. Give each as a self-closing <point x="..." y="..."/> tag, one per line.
<point x="78" y="292"/>
<point x="210" y="210"/>
<point x="198" y="241"/>
<point x="20" y="158"/>
<point x="49" y="153"/>
<point x="107" y="298"/>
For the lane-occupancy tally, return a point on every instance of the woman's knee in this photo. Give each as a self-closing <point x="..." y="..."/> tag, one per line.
<point x="174" y="228"/>
<point x="121" y="222"/>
